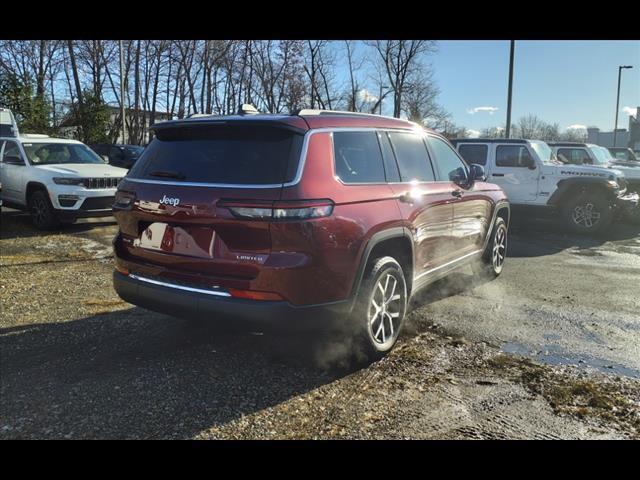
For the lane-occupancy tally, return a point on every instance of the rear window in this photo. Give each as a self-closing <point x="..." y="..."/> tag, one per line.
<point x="474" y="153"/>
<point x="238" y="155"/>
<point x="357" y="157"/>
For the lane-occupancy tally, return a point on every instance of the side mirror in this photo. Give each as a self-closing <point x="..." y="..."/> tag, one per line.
<point x="529" y="163"/>
<point x="13" y="160"/>
<point x="477" y="173"/>
<point x="105" y="158"/>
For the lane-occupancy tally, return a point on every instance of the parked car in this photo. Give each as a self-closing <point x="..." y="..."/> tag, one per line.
<point x="591" y="154"/>
<point x="300" y="220"/>
<point x="623" y="154"/>
<point x="587" y="197"/>
<point x="56" y="180"/>
<point x="118" y="155"/>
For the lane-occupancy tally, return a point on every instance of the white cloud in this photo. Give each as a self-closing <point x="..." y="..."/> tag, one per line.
<point x="577" y="126"/>
<point x="629" y="111"/>
<point x="489" y="110"/>
<point x="473" y="133"/>
<point x="365" y="95"/>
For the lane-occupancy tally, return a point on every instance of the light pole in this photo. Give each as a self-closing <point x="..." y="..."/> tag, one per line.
<point x="380" y="99"/>
<point x="615" y="128"/>
<point x="513" y="48"/>
<point x="122" y="92"/>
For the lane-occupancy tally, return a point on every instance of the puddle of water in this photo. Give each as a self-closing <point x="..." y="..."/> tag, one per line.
<point x="552" y="355"/>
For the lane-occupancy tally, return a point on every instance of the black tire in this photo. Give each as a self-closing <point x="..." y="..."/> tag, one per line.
<point x="42" y="213"/>
<point x="492" y="261"/>
<point x="633" y="217"/>
<point x="371" y="326"/>
<point x="587" y="213"/>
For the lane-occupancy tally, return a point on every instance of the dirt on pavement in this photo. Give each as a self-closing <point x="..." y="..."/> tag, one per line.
<point x="77" y="362"/>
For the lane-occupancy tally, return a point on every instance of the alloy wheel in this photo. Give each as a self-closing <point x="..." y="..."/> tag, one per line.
<point x="585" y="215"/>
<point x="39" y="210"/>
<point x="499" y="248"/>
<point x="385" y="309"/>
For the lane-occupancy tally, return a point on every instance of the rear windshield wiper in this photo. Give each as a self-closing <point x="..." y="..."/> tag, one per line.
<point x="168" y="174"/>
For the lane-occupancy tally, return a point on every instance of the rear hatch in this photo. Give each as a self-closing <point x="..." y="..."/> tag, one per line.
<point x="185" y="207"/>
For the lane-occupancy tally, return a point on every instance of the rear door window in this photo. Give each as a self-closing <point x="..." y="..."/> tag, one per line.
<point x="412" y="156"/>
<point x="238" y="155"/>
<point x="357" y="157"/>
<point x="512" y="156"/>
<point x="474" y="153"/>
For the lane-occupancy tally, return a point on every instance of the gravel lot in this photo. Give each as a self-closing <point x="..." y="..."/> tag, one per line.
<point x="549" y="350"/>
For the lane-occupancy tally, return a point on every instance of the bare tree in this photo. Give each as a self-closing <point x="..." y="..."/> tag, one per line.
<point x="492" y="132"/>
<point x="400" y="59"/>
<point x="420" y="101"/>
<point x="354" y="65"/>
<point x="529" y="127"/>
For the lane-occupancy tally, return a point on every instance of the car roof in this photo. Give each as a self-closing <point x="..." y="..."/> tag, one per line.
<point x="302" y="121"/>
<point x="116" y="145"/>
<point x="567" y="144"/>
<point x="489" y="140"/>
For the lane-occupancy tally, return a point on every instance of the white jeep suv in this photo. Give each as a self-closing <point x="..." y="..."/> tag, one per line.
<point x="586" y="197"/>
<point x="590" y="154"/>
<point x="57" y="180"/>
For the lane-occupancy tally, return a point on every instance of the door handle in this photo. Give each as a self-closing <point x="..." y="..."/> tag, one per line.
<point x="497" y="174"/>
<point x="457" y="193"/>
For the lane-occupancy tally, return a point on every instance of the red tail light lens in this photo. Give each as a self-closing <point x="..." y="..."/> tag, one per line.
<point x="275" y="211"/>
<point x="254" y="295"/>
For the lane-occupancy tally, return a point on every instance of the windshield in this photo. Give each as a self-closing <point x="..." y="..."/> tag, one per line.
<point x="55" y="153"/>
<point x="543" y="151"/>
<point x="601" y="154"/>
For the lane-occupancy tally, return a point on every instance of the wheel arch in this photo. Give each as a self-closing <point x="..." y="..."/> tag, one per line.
<point x="396" y="242"/>
<point x="31" y="187"/>
<point x="572" y="186"/>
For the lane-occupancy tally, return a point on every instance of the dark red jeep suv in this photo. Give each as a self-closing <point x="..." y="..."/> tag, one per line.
<point x="300" y="220"/>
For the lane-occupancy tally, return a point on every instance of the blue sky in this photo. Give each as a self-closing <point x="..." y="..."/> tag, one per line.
<point x="568" y="82"/>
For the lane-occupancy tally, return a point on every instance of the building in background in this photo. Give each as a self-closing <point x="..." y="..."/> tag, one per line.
<point x="624" y="138"/>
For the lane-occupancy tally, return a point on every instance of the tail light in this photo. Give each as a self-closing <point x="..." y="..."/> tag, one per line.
<point x="279" y="211"/>
<point x="254" y="295"/>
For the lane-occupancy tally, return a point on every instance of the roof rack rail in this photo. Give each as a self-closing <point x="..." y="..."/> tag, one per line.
<point x="311" y="111"/>
<point x="199" y="115"/>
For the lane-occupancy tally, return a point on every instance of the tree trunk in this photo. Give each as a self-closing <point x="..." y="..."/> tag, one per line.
<point x="76" y="80"/>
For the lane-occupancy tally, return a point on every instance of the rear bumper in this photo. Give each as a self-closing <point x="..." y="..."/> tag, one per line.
<point x="188" y="304"/>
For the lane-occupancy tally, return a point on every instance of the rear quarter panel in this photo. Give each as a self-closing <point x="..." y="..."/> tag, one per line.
<point x="333" y="245"/>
